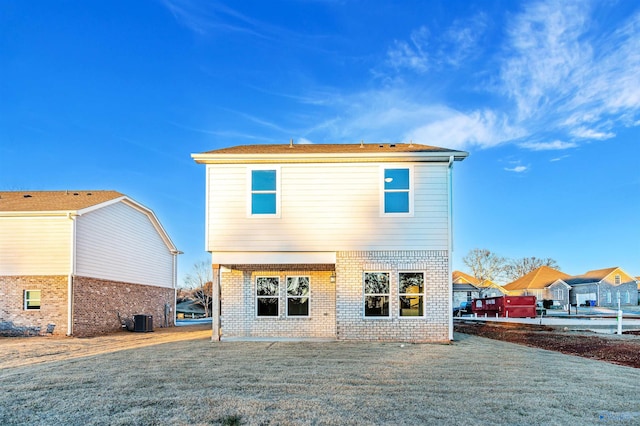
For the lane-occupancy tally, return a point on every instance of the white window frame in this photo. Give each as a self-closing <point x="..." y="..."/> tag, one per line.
<point x="250" y="192"/>
<point x="422" y="294"/>
<point x="26" y="300"/>
<point x="411" y="190"/>
<point x="276" y="296"/>
<point x="287" y="296"/>
<point x="365" y="295"/>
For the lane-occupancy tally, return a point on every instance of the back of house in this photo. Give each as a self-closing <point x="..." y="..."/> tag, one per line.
<point x="338" y="241"/>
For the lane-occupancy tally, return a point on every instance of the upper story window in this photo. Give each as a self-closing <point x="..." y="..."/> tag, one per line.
<point x="617" y="279"/>
<point x="32" y="299"/>
<point x="397" y="193"/>
<point x="264" y="198"/>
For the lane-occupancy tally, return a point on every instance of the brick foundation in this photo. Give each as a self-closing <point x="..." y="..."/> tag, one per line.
<point x="53" y="311"/>
<point x="98" y="302"/>
<point x="95" y="308"/>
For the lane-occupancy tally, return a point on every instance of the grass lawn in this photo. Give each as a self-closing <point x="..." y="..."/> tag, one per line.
<point x="472" y="381"/>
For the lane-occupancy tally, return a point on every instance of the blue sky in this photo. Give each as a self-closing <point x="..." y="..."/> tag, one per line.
<point x="544" y="95"/>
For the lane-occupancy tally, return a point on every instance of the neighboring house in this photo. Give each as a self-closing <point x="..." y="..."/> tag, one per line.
<point x="189" y="309"/>
<point x="331" y="241"/>
<point x="467" y="287"/>
<point x="72" y="262"/>
<point x="547" y="284"/>
<point x="603" y="287"/>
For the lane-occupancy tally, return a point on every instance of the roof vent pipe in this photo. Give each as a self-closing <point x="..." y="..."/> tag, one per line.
<point x="291" y="143"/>
<point x="361" y="143"/>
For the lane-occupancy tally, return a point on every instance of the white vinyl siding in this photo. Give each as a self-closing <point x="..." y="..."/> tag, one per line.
<point x="119" y="242"/>
<point x="327" y="207"/>
<point x="35" y="246"/>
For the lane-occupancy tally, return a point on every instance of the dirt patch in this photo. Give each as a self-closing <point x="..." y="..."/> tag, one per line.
<point x="622" y="350"/>
<point x="21" y="351"/>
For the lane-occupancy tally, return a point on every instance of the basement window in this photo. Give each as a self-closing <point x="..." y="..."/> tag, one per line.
<point x="32" y="299"/>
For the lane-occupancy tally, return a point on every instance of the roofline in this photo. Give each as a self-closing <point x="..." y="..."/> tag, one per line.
<point x="79" y="212"/>
<point x="440" y="156"/>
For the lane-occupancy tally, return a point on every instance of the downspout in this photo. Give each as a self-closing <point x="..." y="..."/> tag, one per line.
<point x="174" y="277"/>
<point x="72" y="272"/>
<point x="450" y="218"/>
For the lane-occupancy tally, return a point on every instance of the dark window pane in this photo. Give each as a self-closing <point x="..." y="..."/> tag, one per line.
<point x="298" y="306"/>
<point x="263" y="180"/>
<point x="376" y="306"/>
<point x="396" y="179"/>
<point x="268" y="306"/>
<point x="396" y="202"/>
<point x="376" y="283"/>
<point x="411" y="282"/>
<point x="411" y="306"/>
<point x="263" y="203"/>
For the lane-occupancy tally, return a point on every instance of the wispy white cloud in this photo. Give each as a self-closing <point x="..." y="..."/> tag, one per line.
<point x="450" y="47"/>
<point x="566" y="75"/>
<point x="548" y="146"/>
<point x="562" y="157"/>
<point x="304" y="141"/>
<point x="585" y="133"/>
<point x="517" y="169"/>
<point x="413" y="54"/>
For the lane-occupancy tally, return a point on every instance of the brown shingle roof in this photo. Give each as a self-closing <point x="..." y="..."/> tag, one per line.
<point x="540" y="277"/>
<point x="37" y="201"/>
<point x="329" y="149"/>
<point x="456" y="275"/>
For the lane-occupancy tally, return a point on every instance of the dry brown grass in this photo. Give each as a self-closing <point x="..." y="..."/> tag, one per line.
<point x="194" y="381"/>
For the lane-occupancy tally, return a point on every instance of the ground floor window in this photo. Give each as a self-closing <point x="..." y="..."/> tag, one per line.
<point x="267" y="296"/>
<point x="411" y="294"/>
<point x="376" y="294"/>
<point x="298" y="292"/>
<point x="32" y="299"/>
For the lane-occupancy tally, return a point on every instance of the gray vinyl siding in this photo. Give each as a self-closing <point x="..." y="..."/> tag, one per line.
<point x="120" y="243"/>
<point x="35" y="246"/>
<point x="327" y="207"/>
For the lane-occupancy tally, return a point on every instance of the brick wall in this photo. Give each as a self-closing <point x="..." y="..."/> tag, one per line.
<point x="238" y="316"/>
<point x="98" y="302"/>
<point x="337" y="308"/>
<point x="16" y="320"/>
<point x="351" y="323"/>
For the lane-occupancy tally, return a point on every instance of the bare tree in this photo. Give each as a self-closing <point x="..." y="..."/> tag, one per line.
<point x="517" y="268"/>
<point x="485" y="265"/>
<point x="200" y="280"/>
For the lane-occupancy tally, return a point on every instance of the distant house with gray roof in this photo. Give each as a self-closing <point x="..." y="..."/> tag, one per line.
<point x="604" y="287"/>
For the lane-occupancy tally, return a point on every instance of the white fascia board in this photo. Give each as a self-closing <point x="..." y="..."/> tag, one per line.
<point x="272" y="258"/>
<point x="329" y="158"/>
